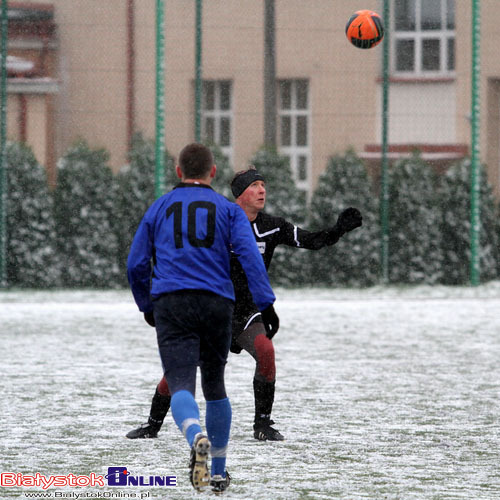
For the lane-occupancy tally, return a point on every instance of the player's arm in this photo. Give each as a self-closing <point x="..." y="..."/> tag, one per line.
<point x="295" y="236"/>
<point x="139" y="266"/>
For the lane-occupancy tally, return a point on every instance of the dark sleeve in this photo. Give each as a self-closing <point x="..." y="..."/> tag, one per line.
<point x="295" y="236"/>
<point x="246" y="250"/>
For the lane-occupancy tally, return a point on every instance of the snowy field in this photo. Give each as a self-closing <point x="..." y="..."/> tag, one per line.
<point x="384" y="393"/>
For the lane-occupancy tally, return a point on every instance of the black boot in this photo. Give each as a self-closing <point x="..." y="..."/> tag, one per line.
<point x="264" y="399"/>
<point x="159" y="408"/>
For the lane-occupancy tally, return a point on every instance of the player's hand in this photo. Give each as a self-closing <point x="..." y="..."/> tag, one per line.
<point x="349" y="219"/>
<point x="150" y="318"/>
<point x="271" y="321"/>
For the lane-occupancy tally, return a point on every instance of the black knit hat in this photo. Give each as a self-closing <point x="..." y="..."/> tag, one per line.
<point x="243" y="179"/>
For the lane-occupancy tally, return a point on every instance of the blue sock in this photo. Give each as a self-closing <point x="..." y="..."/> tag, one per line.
<point x="218" y="422"/>
<point x="186" y="414"/>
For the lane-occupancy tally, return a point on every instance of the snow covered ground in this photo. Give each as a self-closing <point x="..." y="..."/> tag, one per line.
<point x="384" y="393"/>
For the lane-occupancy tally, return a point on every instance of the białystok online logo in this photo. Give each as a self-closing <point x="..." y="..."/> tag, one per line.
<point x="116" y="476"/>
<point x="120" y="476"/>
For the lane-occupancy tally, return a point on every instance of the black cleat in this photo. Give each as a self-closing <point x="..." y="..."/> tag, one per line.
<point x="144" y="431"/>
<point x="198" y="469"/>
<point x="220" y="484"/>
<point x="263" y="431"/>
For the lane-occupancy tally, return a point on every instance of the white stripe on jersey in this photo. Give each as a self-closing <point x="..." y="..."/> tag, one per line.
<point x="256" y="231"/>
<point x="296" y="236"/>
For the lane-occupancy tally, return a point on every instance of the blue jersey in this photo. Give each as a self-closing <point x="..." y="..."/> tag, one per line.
<point x="188" y="234"/>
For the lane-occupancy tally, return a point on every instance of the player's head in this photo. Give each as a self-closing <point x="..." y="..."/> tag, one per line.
<point x="245" y="178"/>
<point x="249" y="190"/>
<point x="196" y="161"/>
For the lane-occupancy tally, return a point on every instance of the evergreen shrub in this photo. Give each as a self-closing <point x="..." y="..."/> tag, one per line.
<point x="454" y="196"/>
<point x="415" y="254"/>
<point x="31" y="254"/>
<point x="84" y="208"/>
<point x="354" y="259"/>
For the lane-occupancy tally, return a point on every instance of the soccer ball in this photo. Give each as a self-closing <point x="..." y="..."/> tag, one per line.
<point x="365" y="29"/>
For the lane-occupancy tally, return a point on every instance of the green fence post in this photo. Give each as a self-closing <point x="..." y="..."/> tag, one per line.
<point x="160" y="100"/>
<point x="384" y="192"/>
<point x="475" y="166"/>
<point x="3" y="148"/>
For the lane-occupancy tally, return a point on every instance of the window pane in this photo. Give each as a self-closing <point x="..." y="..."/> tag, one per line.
<point x="302" y="94"/>
<point x="405" y="55"/>
<point x="286" y="131"/>
<point x="404" y="15"/>
<point x="301" y="130"/>
<point x="450" y="14"/>
<point x="209" y="91"/>
<point x="431" y="14"/>
<point x="450" y="65"/>
<point x="286" y="94"/>
<point x="225" y="95"/>
<point x="210" y="129"/>
<point x="302" y="169"/>
<point x="225" y="132"/>
<point x="431" y="58"/>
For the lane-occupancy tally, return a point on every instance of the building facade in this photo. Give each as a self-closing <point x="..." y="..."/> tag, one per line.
<point x="93" y="65"/>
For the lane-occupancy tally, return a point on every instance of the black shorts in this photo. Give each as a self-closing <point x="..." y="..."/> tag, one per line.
<point x="193" y="328"/>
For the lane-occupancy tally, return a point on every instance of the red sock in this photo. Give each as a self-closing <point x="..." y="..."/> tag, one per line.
<point x="163" y="387"/>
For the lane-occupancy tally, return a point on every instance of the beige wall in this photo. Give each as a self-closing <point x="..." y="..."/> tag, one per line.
<point x="92" y="74"/>
<point x="344" y="81"/>
<point x="13" y="108"/>
<point x="488" y="88"/>
<point x="33" y="121"/>
<point x="234" y="48"/>
<point x="310" y="44"/>
<point x="490" y="91"/>
<point x="36" y="121"/>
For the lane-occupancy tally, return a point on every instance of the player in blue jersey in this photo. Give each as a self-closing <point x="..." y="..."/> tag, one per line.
<point x="249" y="333"/>
<point x="179" y="272"/>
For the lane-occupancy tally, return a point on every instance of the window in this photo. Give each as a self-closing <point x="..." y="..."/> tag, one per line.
<point x="216" y="114"/>
<point x="294" y="128"/>
<point x="424" y="38"/>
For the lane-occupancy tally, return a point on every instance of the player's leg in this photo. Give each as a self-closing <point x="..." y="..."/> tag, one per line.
<point x="214" y="351"/>
<point x="179" y="346"/>
<point x="160" y="404"/>
<point x="218" y="424"/>
<point x="253" y="339"/>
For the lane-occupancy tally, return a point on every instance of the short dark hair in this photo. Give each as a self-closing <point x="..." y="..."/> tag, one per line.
<point x="195" y="161"/>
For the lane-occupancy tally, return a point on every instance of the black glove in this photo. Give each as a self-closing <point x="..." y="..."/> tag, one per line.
<point x="348" y="220"/>
<point x="150" y="318"/>
<point x="271" y="321"/>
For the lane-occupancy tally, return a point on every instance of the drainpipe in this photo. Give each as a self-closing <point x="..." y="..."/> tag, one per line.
<point x="23" y="118"/>
<point x="130" y="71"/>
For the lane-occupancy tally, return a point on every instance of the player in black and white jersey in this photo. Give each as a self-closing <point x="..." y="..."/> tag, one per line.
<point x="249" y="333"/>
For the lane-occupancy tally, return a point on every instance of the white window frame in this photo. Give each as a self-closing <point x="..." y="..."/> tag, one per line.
<point x="293" y="151"/>
<point x="419" y="36"/>
<point x="218" y="114"/>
